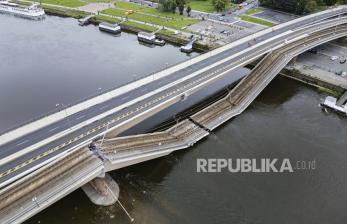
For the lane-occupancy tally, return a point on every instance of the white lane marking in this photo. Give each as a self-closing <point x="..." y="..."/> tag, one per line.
<point x="53" y="129"/>
<point x="23" y="142"/>
<point x="80" y="117"/>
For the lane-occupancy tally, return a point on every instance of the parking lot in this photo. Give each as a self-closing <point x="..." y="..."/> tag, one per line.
<point x="217" y="33"/>
<point x="329" y="57"/>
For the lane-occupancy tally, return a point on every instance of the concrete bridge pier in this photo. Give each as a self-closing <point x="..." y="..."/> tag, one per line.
<point x="102" y="191"/>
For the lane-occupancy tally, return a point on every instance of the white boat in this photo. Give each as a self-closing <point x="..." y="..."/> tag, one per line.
<point x="19" y="10"/>
<point x="186" y="48"/>
<point x="110" y="28"/>
<point x="146" y="37"/>
<point x="331" y="102"/>
<point x="159" y="42"/>
<point x="85" y="20"/>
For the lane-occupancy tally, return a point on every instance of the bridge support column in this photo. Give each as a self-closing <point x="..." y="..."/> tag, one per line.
<point x="102" y="191"/>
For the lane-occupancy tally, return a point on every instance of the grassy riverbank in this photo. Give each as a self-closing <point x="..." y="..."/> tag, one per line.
<point x="67" y="3"/>
<point x="58" y="11"/>
<point x="144" y="18"/>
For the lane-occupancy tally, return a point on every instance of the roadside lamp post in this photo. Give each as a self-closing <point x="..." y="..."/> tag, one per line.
<point x="103" y="137"/>
<point x="66" y="115"/>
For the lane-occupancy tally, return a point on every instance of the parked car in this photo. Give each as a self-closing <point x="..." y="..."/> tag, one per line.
<point x="333" y="58"/>
<point x="342" y="73"/>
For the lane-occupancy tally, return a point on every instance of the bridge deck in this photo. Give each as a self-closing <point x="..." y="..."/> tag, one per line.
<point x="48" y="185"/>
<point x="180" y="136"/>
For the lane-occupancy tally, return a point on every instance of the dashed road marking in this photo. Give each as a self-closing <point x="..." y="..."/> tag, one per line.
<point x="80" y="117"/>
<point x="23" y="142"/>
<point x="53" y="129"/>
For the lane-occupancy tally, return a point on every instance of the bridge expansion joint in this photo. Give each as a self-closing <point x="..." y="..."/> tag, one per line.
<point x="199" y="125"/>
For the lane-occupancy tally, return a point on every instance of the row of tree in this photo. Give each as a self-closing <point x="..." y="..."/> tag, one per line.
<point x="299" y="6"/>
<point x="172" y="5"/>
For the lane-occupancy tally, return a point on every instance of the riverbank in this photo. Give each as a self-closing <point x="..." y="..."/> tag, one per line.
<point x="142" y="22"/>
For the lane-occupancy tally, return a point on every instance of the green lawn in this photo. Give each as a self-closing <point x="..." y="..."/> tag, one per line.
<point x="204" y="5"/>
<point x="256" y="20"/>
<point x="147" y="10"/>
<point x="114" y="12"/>
<point x="98" y="1"/>
<point x="68" y="3"/>
<point x="101" y="18"/>
<point x="65" y="12"/>
<point x="175" y="24"/>
<point x="253" y="11"/>
<point x="141" y="26"/>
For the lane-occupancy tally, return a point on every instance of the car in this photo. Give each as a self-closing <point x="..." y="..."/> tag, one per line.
<point x="342" y="60"/>
<point x="342" y="73"/>
<point x="223" y="14"/>
<point x="333" y="58"/>
<point x="220" y="19"/>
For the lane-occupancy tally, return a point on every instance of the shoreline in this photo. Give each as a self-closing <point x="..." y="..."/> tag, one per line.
<point x="78" y="14"/>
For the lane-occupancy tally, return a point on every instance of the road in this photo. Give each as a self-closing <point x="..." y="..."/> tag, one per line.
<point x="20" y="166"/>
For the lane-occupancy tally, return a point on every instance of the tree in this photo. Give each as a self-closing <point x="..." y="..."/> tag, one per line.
<point x="220" y="5"/>
<point x="173" y="6"/>
<point x="167" y="5"/>
<point x="300" y="6"/>
<point x="181" y="9"/>
<point x="330" y="2"/>
<point x="188" y="10"/>
<point x="180" y="4"/>
<point x="311" y="6"/>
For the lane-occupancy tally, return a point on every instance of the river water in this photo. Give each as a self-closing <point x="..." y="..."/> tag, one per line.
<point x="56" y="61"/>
